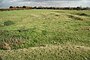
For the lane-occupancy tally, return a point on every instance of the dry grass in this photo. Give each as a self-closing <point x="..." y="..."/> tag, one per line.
<point x="50" y="52"/>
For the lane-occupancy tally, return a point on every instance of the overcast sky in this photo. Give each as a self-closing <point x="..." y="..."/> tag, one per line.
<point x="54" y="3"/>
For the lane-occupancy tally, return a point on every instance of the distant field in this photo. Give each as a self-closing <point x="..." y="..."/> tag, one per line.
<point x="45" y="35"/>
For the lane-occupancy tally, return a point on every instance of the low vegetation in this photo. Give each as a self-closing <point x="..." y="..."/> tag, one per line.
<point x="45" y="35"/>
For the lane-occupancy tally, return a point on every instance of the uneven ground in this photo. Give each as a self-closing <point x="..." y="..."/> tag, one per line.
<point x="45" y="35"/>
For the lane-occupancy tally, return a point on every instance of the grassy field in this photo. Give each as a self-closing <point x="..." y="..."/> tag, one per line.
<point x="45" y="35"/>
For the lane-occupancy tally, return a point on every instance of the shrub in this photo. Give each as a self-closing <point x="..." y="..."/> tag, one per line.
<point x="7" y="23"/>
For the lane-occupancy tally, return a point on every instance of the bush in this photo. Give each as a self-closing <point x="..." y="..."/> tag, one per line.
<point x="7" y="23"/>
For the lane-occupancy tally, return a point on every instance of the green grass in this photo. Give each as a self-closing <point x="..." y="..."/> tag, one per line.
<point x="28" y="29"/>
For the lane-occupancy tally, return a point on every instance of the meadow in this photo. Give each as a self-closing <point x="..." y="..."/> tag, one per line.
<point x="45" y="35"/>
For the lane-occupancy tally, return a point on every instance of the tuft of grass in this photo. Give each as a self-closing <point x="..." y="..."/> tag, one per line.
<point x="8" y="23"/>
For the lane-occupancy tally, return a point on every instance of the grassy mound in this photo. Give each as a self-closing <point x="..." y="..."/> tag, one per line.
<point x="50" y="52"/>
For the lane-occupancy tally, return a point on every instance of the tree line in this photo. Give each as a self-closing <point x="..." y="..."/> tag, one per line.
<point x="40" y="7"/>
